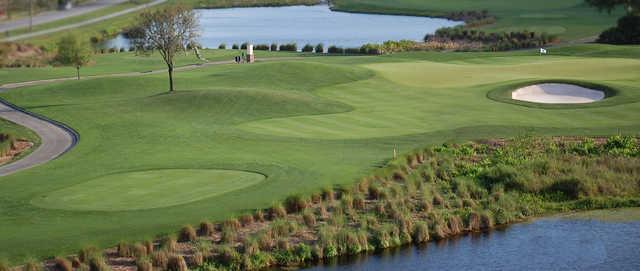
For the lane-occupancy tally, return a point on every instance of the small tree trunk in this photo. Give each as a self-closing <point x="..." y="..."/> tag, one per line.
<point x="170" y="79"/>
<point x="78" y="72"/>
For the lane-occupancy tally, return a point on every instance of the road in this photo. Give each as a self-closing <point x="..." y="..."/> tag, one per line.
<point x="55" y="138"/>
<point x="51" y="16"/>
<point x="87" y="22"/>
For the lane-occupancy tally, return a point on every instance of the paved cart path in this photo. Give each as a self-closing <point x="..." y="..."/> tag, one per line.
<point x="79" y="24"/>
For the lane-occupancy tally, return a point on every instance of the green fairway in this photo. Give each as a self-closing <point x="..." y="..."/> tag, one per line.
<point x="147" y="189"/>
<point x="570" y="19"/>
<point x="304" y="124"/>
<point x="110" y="63"/>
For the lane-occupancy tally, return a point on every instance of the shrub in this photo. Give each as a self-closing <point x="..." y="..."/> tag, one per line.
<point x="176" y="263"/>
<point x="139" y="250"/>
<point x="277" y="211"/>
<point x="87" y="253"/>
<point x="148" y="244"/>
<point x="627" y="31"/>
<point x="259" y="216"/>
<point x="222" y="46"/>
<point x="274" y="47"/>
<point x="308" y="48"/>
<point x="455" y="225"/>
<point x="98" y="264"/>
<point x="335" y="50"/>
<point x="319" y="48"/>
<point x="31" y="265"/>
<point x="246" y="220"/>
<point x="169" y="243"/>
<point x="235" y="47"/>
<point x="486" y="222"/>
<point x="327" y="194"/>
<point x="265" y="240"/>
<point x="144" y="264"/>
<point x="244" y="46"/>
<point x="197" y="259"/>
<point x="352" y="51"/>
<point x="359" y="202"/>
<point x="160" y="259"/>
<point x="233" y="224"/>
<point x="309" y="218"/>
<point x="124" y="249"/>
<point x="60" y="264"/>
<point x="188" y="234"/>
<point x="283" y="244"/>
<point x="262" y="47"/>
<point x="296" y="203"/>
<point x="206" y="228"/>
<point x="228" y="256"/>
<point x="291" y="47"/>
<point x="228" y="235"/>
<point x="421" y="232"/>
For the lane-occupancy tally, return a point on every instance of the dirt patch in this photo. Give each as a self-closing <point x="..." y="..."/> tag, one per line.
<point x="19" y="146"/>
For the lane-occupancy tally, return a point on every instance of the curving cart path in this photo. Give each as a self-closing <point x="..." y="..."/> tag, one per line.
<point x="55" y="138"/>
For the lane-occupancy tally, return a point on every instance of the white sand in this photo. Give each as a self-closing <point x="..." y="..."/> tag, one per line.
<point x="552" y="93"/>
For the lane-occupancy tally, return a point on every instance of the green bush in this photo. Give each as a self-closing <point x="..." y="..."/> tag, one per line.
<point x="319" y="48"/>
<point x="222" y="46"/>
<point x="291" y="47"/>
<point x="308" y="48"/>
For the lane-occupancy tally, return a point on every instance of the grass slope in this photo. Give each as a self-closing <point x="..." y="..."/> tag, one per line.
<point x="304" y="124"/>
<point x="110" y="63"/>
<point x="570" y="19"/>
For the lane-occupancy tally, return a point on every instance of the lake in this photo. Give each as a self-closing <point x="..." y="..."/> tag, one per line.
<point x="304" y="24"/>
<point x="601" y="240"/>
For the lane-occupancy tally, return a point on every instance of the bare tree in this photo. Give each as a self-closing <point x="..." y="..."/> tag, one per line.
<point x="168" y="31"/>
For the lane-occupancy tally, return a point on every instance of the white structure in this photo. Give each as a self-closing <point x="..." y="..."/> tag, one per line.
<point x="250" y="56"/>
<point x="543" y="51"/>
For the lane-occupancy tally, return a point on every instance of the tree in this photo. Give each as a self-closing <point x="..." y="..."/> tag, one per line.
<point x="168" y="30"/>
<point x="632" y="6"/>
<point x="73" y="52"/>
<point x="627" y="31"/>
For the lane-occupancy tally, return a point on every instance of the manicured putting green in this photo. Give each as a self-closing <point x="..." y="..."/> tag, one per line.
<point x="147" y="189"/>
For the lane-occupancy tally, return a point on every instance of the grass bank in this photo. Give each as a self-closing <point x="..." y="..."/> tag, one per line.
<point x="569" y="19"/>
<point x="428" y="194"/>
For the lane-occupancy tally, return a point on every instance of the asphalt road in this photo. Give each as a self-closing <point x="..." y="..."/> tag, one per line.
<point x="50" y="16"/>
<point x="87" y="22"/>
<point x="55" y="138"/>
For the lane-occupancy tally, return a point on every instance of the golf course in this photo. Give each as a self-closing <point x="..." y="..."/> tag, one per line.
<point x="234" y="138"/>
<point x="425" y="138"/>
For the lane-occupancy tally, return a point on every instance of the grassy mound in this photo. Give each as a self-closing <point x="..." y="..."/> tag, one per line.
<point x="147" y="189"/>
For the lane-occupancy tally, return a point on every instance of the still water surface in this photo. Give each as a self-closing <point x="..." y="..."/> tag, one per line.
<point x="578" y="242"/>
<point x="303" y="25"/>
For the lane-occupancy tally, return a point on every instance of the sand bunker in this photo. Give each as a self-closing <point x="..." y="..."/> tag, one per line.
<point x="553" y="93"/>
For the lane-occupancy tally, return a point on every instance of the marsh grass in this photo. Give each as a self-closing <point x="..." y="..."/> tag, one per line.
<point x="61" y="264"/>
<point x="33" y="265"/>
<point x="188" y="234"/>
<point x="169" y="243"/>
<point x="206" y="228"/>
<point x="160" y="259"/>
<point x="176" y="263"/>
<point x="431" y="194"/>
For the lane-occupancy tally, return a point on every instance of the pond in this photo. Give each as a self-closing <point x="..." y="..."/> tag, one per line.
<point x="587" y="241"/>
<point x="305" y="25"/>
